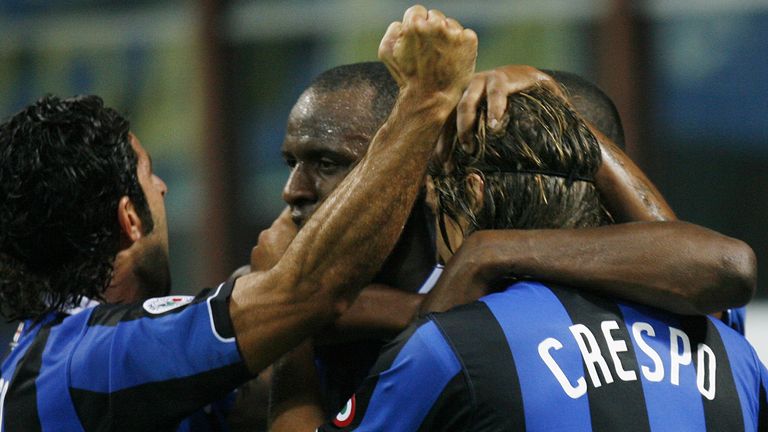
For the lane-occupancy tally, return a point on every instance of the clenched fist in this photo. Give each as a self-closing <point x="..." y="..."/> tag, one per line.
<point x="429" y="53"/>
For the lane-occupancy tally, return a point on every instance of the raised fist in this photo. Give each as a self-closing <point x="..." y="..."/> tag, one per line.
<point x="429" y="53"/>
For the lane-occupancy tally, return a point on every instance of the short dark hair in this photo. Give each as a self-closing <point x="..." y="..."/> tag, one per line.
<point x="538" y="174"/>
<point x="372" y="74"/>
<point x="64" y="165"/>
<point x="591" y="103"/>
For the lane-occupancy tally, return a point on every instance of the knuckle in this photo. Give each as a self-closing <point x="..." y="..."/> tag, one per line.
<point x="495" y="91"/>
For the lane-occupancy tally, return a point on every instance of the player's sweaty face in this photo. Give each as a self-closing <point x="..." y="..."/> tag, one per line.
<point x="327" y="134"/>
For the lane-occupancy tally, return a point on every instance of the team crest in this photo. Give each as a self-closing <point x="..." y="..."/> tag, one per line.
<point x="159" y="305"/>
<point x="347" y="414"/>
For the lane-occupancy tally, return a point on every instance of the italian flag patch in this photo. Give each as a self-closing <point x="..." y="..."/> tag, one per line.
<point x="347" y="414"/>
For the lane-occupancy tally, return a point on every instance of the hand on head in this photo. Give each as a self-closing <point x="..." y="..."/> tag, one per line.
<point x="495" y="86"/>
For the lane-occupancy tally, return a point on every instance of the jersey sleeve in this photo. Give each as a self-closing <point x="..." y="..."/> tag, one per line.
<point x="147" y="366"/>
<point x="416" y="384"/>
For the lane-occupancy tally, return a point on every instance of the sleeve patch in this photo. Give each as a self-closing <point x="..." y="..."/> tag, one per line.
<point x="158" y="305"/>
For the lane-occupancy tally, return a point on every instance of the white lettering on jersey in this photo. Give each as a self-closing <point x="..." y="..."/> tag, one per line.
<point x="658" y="367"/>
<point x="581" y="384"/>
<point x="711" y="362"/>
<point x="3" y="391"/>
<point x="591" y="354"/>
<point x="615" y="347"/>
<point x="680" y="355"/>
<point x="677" y="357"/>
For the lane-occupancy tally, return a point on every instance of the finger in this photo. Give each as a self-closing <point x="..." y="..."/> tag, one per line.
<point x="452" y="23"/>
<point x="552" y="85"/>
<point x="435" y="15"/>
<point x="443" y="154"/>
<point x="414" y="14"/>
<point x="521" y="77"/>
<point x="452" y="27"/>
<point x="386" y="47"/>
<point x="496" y="97"/>
<point x="466" y="111"/>
<point x="470" y="37"/>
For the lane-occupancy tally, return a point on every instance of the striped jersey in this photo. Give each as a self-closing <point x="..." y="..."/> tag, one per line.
<point x="137" y="367"/>
<point x="546" y="358"/>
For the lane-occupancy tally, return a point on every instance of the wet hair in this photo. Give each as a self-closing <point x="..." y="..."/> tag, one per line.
<point x="372" y="74"/>
<point x="64" y="165"/>
<point x="538" y="174"/>
<point x="592" y="104"/>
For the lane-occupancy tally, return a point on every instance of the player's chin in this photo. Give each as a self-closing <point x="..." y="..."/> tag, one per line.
<point x="299" y="222"/>
<point x="299" y="218"/>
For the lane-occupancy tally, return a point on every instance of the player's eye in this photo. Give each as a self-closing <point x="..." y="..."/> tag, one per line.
<point x="328" y="166"/>
<point x="291" y="162"/>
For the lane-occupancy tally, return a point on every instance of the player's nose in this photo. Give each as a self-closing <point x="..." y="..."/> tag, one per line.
<point x="299" y="190"/>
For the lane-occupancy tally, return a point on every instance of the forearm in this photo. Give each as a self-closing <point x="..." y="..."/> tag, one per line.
<point x="674" y="266"/>
<point x="379" y="311"/>
<point x="371" y="205"/>
<point x="626" y="191"/>
<point x="345" y="241"/>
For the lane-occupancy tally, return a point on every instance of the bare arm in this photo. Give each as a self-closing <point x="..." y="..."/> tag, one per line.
<point x="349" y="236"/>
<point x="380" y="311"/>
<point x="626" y="191"/>
<point x="650" y="263"/>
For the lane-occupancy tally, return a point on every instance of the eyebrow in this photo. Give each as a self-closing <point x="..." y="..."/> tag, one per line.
<point x="319" y="150"/>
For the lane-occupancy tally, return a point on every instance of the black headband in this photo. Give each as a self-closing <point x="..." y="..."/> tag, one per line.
<point x="569" y="177"/>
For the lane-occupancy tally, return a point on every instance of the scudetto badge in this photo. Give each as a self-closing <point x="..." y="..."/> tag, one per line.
<point x="346" y="415"/>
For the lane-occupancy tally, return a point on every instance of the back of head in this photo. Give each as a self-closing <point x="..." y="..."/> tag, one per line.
<point x="371" y="74"/>
<point x="64" y="165"/>
<point x="592" y="104"/>
<point x="538" y="174"/>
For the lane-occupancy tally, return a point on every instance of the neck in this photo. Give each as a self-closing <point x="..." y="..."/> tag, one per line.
<point x="124" y="286"/>
<point x="413" y="257"/>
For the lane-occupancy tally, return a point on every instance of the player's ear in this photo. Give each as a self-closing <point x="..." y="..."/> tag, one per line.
<point x="475" y="188"/>
<point x="130" y="223"/>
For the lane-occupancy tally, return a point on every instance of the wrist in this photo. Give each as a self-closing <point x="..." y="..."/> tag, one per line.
<point x="496" y="254"/>
<point x="429" y="104"/>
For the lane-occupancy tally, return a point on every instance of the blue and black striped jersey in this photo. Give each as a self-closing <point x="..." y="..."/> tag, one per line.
<point x="122" y="367"/>
<point x="544" y="358"/>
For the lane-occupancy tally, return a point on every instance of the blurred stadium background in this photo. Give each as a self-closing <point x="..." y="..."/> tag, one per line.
<point x="208" y="85"/>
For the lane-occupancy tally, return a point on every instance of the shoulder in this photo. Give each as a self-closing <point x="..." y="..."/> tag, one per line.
<point x="423" y="345"/>
<point x="208" y="306"/>
<point x="416" y="384"/>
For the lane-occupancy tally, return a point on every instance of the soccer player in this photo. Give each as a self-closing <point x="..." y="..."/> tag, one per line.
<point x="328" y="131"/>
<point x="539" y="356"/>
<point x="83" y="217"/>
